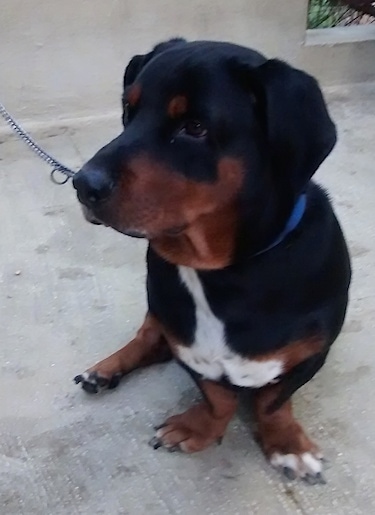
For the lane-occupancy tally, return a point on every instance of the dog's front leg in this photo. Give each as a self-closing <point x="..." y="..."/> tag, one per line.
<point x="201" y="425"/>
<point x="148" y="347"/>
<point x="283" y="440"/>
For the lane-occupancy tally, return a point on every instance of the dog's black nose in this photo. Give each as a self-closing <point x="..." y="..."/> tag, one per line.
<point x="93" y="185"/>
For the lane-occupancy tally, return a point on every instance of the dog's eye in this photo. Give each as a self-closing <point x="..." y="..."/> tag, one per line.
<point x="193" y="128"/>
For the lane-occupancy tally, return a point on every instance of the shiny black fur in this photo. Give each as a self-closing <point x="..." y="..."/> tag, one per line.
<point x="274" y="118"/>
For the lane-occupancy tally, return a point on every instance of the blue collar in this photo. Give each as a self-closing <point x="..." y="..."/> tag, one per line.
<point x="293" y="221"/>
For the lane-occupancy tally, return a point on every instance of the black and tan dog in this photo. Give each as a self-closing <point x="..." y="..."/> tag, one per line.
<point x="248" y="270"/>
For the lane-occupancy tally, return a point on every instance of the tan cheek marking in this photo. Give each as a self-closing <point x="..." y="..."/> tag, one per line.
<point x="231" y="174"/>
<point x="177" y="106"/>
<point x="175" y="194"/>
<point x="213" y="210"/>
<point x="133" y="94"/>
<point x="169" y="199"/>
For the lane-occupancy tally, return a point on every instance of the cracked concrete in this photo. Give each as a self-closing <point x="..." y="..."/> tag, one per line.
<point x="71" y="293"/>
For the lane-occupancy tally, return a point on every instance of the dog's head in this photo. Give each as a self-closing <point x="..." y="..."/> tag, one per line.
<point x="216" y="138"/>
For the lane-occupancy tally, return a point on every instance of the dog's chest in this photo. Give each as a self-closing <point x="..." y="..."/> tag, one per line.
<point x="209" y="354"/>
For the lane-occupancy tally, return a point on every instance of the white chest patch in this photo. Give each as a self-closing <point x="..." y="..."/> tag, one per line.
<point x="209" y="355"/>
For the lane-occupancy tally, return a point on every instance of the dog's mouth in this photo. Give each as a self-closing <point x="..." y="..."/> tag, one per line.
<point x="90" y="217"/>
<point x="171" y="232"/>
<point x="135" y="234"/>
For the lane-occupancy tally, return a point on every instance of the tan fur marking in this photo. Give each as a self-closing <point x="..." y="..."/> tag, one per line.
<point x="177" y="106"/>
<point x="279" y="432"/>
<point x="149" y="346"/>
<point x="294" y="353"/>
<point x="203" y="424"/>
<point x="133" y="94"/>
<point x="152" y="199"/>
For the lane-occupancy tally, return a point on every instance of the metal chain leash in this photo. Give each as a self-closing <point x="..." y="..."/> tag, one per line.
<point x="56" y="165"/>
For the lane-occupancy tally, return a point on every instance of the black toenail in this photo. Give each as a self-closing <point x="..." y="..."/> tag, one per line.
<point x="155" y="442"/>
<point x="289" y="473"/>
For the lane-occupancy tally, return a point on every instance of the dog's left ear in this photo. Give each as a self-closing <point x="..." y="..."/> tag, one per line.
<point x="138" y="62"/>
<point x="290" y="103"/>
<point x="135" y="65"/>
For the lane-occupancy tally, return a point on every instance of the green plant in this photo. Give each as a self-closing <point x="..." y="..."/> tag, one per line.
<point x="330" y="13"/>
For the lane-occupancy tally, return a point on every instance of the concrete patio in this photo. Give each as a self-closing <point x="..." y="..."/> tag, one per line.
<point x="71" y="293"/>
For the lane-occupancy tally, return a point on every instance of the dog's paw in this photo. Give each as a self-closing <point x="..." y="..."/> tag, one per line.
<point x="92" y="382"/>
<point x="307" y="466"/>
<point x="158" y="440"/>
<point x="189" y="432"/>
<point x="178" y="437"/>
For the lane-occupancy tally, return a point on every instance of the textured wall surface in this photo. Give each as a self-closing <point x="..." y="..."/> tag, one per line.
<point x="66" y="59"/>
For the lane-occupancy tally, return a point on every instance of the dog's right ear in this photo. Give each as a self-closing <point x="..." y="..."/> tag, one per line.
<point x="138" y="62"/>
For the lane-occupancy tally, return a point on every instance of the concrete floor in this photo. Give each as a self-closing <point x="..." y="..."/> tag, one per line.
<point x="71" y="293"/>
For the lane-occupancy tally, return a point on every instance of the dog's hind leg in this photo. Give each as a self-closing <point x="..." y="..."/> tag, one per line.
<point x="148" y="347"/>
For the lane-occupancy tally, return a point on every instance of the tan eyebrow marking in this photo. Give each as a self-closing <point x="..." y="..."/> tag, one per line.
<point x="133" y="94"/>
<point x="177" y="106"/>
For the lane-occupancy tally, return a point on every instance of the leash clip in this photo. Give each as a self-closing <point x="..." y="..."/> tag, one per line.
<point x="61" y="180"/>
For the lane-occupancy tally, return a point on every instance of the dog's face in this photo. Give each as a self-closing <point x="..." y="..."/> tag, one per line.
<point x="205" y="144"/>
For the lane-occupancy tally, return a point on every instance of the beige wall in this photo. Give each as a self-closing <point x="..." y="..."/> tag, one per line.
<point x="66" y="58"/>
